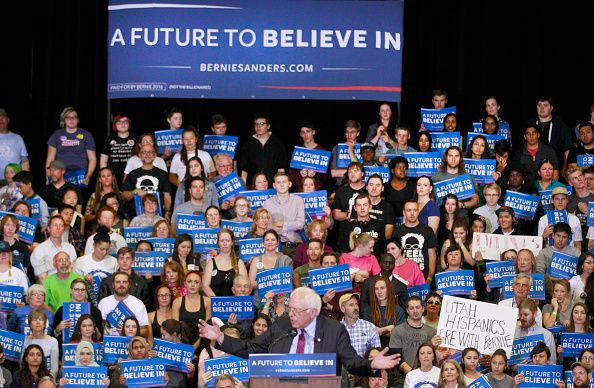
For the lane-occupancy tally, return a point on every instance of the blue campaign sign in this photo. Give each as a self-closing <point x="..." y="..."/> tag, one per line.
<point x="149" y="372"/>
<point x="585" y="160"/>
<point x="35" y="204"/>
<point x="176" y="355"/>
<point x="256" y="198"/>
<point x="277" y="280"/>
<point x="540" y="376"/>
<point x="291" y="365"/>
<point x="563" y="265"/>
<point x="537" y="290"/>
<point x="239" y="229"/>
<point x="162" y="244"/>
<point x="115" y="347"/>
<point x="139" y="207"/>
<point x="432" y="119"/>
<point x="231" y="365"/>
<point x="84" y="376"/>
<point x="382" y="171"/>
<point x="343" y="158"/>
<point x="481" y="382"/>
<point x="522" y="347"/>
<point x="440" y="141"/>
<point x="133" y="234"/>
<point x="422" y="290"/>
<point x="13" y="344"/>
<point x="556" y="216"/>
<point x="505" y="130"/>
<point x="223" y="306"/>
<point x="462" y="186"/>
<point x="69" y="353"/>
<point x="229" y="187"/>
<point x="188" y="223"/>
<point x="218" y="144"/>
<point x="459" y="282"/>
<point x="27" y="227"/>
<point x="590" y="221"/>
<point x="481" y="169"/>
<point x="499" y="269"/>
<point x="574" y="343"/>
<point x="250" y="247"/>
<point x="306" y="49"/>
<point x="422" y="163"/>
<point x="491" y="139"/>
<point x="336" y="278"/>
<point x="524" y="205"/>
<point x="10" y="296"/>
<point x="76" y="177"/>
<point x="310" y="159"/>
<point x="118" y="314"/>
<point x="315" y="201"/>
<point x="169" y="138"/>
<point x="73" y="311"/>
<point x="546" y="198"/>
<point x="205" y="239"/>
<point x="152" y="262"/>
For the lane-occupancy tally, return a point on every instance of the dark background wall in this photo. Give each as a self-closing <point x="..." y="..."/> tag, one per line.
<point x="57" y="57"/>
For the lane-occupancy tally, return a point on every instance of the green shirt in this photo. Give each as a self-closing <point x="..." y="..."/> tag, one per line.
<point x="58" y="291"/>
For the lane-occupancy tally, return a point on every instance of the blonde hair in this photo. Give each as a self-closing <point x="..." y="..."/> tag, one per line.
<point x="461" y="380"/>
<point x="358" y="239"/>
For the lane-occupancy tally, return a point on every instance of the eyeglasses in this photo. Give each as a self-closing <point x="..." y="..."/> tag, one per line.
<point x="295" y="311"/>
<point x="79" y="289"/>
<point x="435" y="302"/>
<point x="264" y="217"/>
<point x="260" y="123"/>
<point x="122" y="122"/>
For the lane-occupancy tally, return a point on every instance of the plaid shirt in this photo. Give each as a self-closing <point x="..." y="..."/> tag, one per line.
<point x="363" y="335"/>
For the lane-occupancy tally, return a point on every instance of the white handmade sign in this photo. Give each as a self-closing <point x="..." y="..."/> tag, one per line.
<point x="492" y="245"/>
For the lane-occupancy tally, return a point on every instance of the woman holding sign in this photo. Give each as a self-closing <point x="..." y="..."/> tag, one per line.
<point x="172" y="330"/>
<point x="453" y="262"/>
<point x="33" y="368"/>
<point x="85" y="356"/>
<point x="579" y="323"/>
<point x="138" y="349"/>
<point x="269" y="259"/>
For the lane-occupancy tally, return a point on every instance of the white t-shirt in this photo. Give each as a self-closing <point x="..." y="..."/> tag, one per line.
<point x="134" y="162"/>
<point x="419" y="379"/>
<point x="179" y="168"/>
<point x="85" y="265"/>
<point x="18" y="278"/>
<point x="109" y="303"/>
<point x="42" y="258"/>
<point x="117" y="242"/>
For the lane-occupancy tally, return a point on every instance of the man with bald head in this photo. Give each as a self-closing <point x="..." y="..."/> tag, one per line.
<point x="57" y="286"/>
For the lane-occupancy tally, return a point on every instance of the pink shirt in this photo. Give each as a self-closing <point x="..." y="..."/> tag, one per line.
<point x="410" y="272"/>
<point x="363" y="263"/>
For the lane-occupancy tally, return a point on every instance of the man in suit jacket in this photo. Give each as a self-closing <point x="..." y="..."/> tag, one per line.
<point x="306" y="330"/>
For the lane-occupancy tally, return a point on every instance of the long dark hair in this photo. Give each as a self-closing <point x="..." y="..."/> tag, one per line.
<point x="180" y="239"/>
<point x="184" y="152"/>
<point x="25" y="377"/>
<point x="76" y="334"/>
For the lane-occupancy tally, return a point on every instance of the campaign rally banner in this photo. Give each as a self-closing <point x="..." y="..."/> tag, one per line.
<point x="77" y="177"/>
<point x="277" y="280"/>
<point x="481" y="170"/>
<point x="499" y="269"/>
<point x="422" y="163"/>
<point x="336" y="278"/>
<point x="315" y="202"/>
<point x="537" y="289"/>
<point x="250" y="247"/>
<point x="343" y="158"/>
<point x="229" y="187"/>
<point x="152" y="262"/>
<point x="432" y="119"/>
<point x="239" y="229"/>
<point x="304" y="50"/>
<point x="231" y="365"/>
<point x="13" y="344"/>
<point x="169" y="138"/>
<point x="491" y="245"/>
<point x="522" y="347"/>
<point x="563" y="265"/>
<point x="10" y="296"/>
<point x="27" y="227"/>
<point x="69" y="353"/>
<point x="462" y="186"/>
<point x="310" y="159"/>
<point x="72" y="311"/>
<point x="256" y="198"/>
<point x="422" y="290"/>
<point x="440" y="141"/>
<point x="188" y="223"/>
<point x="574" y="343"/>
<point x="524" y="205"/>
<point x="585" y="160"/>
<point x="590" y="220"/>
<point x="481" y="382"/>
<point x="84" y="376"/>
<point x="133" y="234"/>
<point x="149" y="372"/>
<point x="485" y="326"/>
<point x="119" y="314"/>
<point x="223" y="306"/>
<point x="205" y="239"/>
<point x="540" y="376"/>
<point x="219" y="144"/>
<point x="35" y="204"/>
<point x="162" y="244"/>
<point x="114" y="347"/>
<point x="491" y="140"/>
<point x="459" y="282"/>
<point x="291" y="365"/>
<point x="175" y="354"/>
<point x="569" y="380"/>
<point x="383" y="171"/>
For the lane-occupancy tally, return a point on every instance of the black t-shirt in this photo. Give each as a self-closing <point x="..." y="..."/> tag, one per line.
<point x="51" y="195"/>
<point x="373" y="227"/>
<point x="384" y="212"/>
<point x="118" y="151"/>
<point x="575" y="152"/>
<point x="344" y="198"/>
<point x="397" y="198"/>
<point x="416" y="242"/>
<point x="152" y="181"/>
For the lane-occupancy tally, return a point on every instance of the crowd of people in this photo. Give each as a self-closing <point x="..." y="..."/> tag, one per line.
<point x="392" y="234"/>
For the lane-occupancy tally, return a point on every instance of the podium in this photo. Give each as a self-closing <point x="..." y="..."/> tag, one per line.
<point x="297" y="382"/>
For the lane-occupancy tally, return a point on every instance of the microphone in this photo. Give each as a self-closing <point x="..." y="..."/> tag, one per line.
<point x="292" y="333"/>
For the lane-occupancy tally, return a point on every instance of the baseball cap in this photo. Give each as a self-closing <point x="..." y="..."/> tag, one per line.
<point x="505" y="209"/>
<point x="347" y="297"/>
<point x="3" y="112"/>
<point x="560" y="190"/>
<point x="57" y="164"/>
<point x="579" y="363"/>
<point x="4" y="246"/>
<point x="367" y="146"/>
